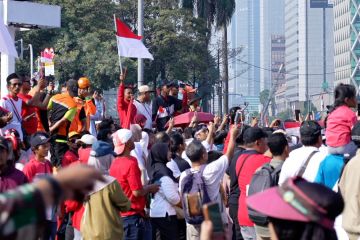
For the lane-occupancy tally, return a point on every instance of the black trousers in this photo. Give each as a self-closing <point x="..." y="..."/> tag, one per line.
<point x="233" y="210"/>
<point x="57" y="151"/>
<point x="181" y="223"/>
<point x="165" y="228"/>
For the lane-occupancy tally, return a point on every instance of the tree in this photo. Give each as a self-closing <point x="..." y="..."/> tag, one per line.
<point x="86" y="43"/>
<point x="264" y="96"/>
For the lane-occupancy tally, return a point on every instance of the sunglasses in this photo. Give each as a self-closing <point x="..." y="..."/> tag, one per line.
<point x="73" y="140"/>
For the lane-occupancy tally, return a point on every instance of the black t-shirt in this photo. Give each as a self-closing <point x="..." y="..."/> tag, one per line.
<point x="234" y="185"/>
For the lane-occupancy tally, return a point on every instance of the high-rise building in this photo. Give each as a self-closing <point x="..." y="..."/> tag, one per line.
<point x="277" y="60"/>
<point x="309" y="53"/>
<point x="347" y="47"/>
<point x="244" y="33"/>
<point x="271" y="23"/>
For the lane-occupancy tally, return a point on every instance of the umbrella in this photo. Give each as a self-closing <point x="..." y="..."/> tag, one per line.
<point x="7" y="44"/>
<point x="185" y="118"/>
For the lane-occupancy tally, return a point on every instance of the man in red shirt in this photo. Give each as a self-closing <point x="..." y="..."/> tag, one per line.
<point x="127" y="172"/>
<point x="250" y="160"/>
<point x="126" y="108"/>
<point x="71" y="155"/>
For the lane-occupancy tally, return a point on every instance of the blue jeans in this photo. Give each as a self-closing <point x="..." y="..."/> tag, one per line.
<point x="137" y="228"/>
<point x="248" y="233"/>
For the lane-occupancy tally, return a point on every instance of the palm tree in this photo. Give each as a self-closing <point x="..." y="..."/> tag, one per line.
<point x="219" y="12"/>
<point x="224" y="12"/>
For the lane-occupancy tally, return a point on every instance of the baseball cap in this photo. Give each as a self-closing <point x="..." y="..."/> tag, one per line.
<point x="87" y="139"/>
<point x="73" y="134"/>
<point x="120" y="138"/>
<point x="310" y="129"/>
<point x="144" y="89"/>
<point x="39" y="138"/>
<point x="253" y="133"/>
<point x="299" y="200"/>
<point x="101" y="148"/>
<point x="355" y="132"/>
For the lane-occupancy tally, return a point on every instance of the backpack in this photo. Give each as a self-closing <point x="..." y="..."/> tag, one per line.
<point x="194" y="195"/>
<point x="263" y="179"/>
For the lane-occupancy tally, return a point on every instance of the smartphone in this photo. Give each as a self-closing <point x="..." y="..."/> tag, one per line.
<point x="358" y="108"/>
<point x="238" y="117"/>
<point x="212" y="212"/>
<point x="297" y="114"/>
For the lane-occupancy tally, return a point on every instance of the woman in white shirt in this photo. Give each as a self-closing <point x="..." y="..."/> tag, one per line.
<point x="162" y="211"/>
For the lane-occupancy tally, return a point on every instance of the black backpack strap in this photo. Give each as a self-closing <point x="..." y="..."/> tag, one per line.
<point x="238" y="173"/>
<point x="303" y="167"/>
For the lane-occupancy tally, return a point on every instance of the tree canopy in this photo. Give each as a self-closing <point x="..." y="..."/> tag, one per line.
<point x="85" y="45"/>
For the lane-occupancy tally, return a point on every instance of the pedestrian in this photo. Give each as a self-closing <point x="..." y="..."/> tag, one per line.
<point x="246" y="165"/>
<point x="341" y="120"/>
<point x="143" y="105"/>
<point x="233" y="186"/>
<point x="299" y="210"/>
<point x="40" y="166"/>
<point x="162" y="206"/>
<point x="349" y="187"/>
<point x="104" y="223"/>
<point x="305" y="161"/>
<point x="100" y="112"/>
<point x="211" y="174"/>
<point x="10" y="177"/>
<point x="125" y="106"/>
<point x="268" y="176"/>
<point x="164" y="107"/>
<point x="62" y="110"/>
<point x="13" y="104"/>
<point x="126" y="170"/>
<point x="72" y="154"/>
<point x="85" y="106"/>
<point x="85" y="142"/>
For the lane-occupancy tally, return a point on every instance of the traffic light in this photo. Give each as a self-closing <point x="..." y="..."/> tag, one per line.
<point x="19" y="48"/>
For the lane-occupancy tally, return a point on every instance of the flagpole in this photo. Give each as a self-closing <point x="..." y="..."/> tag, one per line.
<point x="121" y="69"/>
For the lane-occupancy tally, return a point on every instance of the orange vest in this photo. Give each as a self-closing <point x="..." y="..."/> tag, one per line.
<point x="89" y="108"/>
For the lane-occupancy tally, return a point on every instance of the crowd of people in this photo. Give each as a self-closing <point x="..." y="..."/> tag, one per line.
<point x="69" y="172"/>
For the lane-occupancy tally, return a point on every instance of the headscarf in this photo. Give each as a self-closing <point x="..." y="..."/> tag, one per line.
<point x="102" y="164"/>
<point x="156" y="164"/>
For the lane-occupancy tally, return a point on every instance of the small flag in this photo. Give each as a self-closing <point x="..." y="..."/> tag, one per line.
<point x="129" y="44"/>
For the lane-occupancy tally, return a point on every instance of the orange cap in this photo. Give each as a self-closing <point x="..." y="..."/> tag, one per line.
<point x="83" y="82"/>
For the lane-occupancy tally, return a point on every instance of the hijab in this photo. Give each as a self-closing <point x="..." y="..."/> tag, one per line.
<point x="102" y="164"/>
<point x="156" y="164"/>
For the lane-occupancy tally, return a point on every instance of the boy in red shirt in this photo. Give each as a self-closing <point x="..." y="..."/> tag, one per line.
<point x="39" y="164"/>
<point x="126" y="170"/>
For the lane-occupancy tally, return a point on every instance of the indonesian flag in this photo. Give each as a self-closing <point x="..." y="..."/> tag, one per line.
<point x="129" y="44"/>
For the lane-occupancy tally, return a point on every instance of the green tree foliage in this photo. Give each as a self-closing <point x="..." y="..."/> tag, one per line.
<point x="86" y="43"/>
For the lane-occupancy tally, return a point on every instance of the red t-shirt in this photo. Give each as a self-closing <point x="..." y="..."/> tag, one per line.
<point x="127" y="172"/>
<point x="34" y="168"/>
<point x="84" y="154"/>
<point x="69" y="157"/>
<point x="30" y="125"/>
<point x="248" y="168"/>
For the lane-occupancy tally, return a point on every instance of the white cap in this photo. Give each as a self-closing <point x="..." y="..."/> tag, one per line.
<point x="144" y="89"/>
<point x="88" y="139"/>
<point x="120" y="138"/>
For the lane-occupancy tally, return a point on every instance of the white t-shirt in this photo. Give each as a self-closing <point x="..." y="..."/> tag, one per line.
<point x="165" y="199"/>
<point x="146" y="110"/>
<point x="15" y="122"/>
<point x="297" y="159"/>
<point x="213" y="174"/>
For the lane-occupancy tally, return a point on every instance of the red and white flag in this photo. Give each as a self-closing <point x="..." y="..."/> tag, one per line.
<point x="129" y="44"/>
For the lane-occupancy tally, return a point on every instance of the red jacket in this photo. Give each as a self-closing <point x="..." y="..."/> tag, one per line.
<point x="69" y="158"/>
<point x="126" y="110"/>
